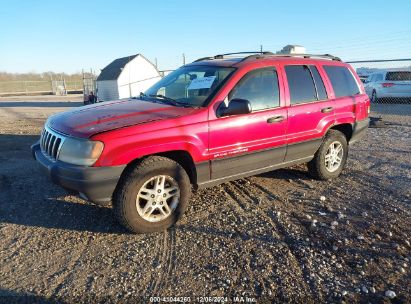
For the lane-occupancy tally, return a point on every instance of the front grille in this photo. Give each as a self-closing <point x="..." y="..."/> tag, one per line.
<point x="50" y="143"/>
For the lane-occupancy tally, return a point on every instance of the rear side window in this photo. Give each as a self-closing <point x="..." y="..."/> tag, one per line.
<point x="300" y="83"/>
<point x="342" y="80"/>
<point x="260" y="88"/>
<point x="398" y="76"/>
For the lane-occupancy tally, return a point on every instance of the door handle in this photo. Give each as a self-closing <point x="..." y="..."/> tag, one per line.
<point x="327" y="109"/>
<point x="275" y="119"/>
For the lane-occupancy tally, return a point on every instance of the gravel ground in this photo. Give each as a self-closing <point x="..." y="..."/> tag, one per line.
<point x="275" y="237"/>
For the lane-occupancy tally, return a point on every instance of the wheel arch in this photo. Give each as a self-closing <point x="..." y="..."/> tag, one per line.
<point x="181" y="157"/>
<point x="345" y="128"/>
<point x="186" y="161"/>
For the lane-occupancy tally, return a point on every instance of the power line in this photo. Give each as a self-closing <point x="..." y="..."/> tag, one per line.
<point x="378" y="60"/>
<point x="374" y="38"/>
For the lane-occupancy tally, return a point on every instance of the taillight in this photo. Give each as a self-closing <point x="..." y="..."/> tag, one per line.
<point x="387" y="84"/>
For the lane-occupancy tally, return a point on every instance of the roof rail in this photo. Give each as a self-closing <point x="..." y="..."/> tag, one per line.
<point x="269" y="54"/>
<point x="325" y="56"/>
<point x="222" y="56"/>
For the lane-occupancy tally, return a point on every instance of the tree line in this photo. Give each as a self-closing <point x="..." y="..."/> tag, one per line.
<point x="45" y="76"/>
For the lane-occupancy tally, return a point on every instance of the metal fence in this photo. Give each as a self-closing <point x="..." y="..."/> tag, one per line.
<point x="57" y="87"/>
<point x="388" y="84"/>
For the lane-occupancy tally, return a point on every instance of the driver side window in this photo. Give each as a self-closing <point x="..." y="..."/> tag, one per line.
<point x="260" y="88"/>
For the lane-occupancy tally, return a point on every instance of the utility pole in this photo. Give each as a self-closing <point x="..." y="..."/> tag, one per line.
<point x="261" y="48"/>
<point x="129" y="84"/>
<point x="51" y="82"/>
<point x="155" y="60"/>
<point x="184" y="59"/>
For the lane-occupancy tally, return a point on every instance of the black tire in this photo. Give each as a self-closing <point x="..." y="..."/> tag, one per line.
<point x="317" y="166"/>
<point x="374" y="98"/>
<point x="124" y="198"/>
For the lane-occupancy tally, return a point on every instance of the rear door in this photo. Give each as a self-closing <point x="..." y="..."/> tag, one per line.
<point x="349" y="102"/>
<point x="245" y="143"/>
<point x="309" y="113"/>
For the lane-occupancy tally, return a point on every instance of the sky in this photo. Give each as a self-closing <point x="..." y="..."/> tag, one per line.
<point x="68" y="36"/>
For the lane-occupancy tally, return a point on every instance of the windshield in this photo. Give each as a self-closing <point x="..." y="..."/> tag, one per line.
<point x="190" y="86"/>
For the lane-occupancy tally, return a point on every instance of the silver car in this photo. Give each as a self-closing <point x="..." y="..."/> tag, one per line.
<point x="389" y="83"/>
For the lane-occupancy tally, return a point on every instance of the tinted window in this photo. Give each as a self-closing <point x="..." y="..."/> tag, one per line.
<point x="260" y="87"/>
<point x="398" y="76"/>
<point x="322" y="94"/>
<point x="342" y="80"/>
<point x="300" y="83"/>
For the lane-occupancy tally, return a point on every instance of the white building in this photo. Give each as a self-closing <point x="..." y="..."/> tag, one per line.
<point x="126" y="77"/>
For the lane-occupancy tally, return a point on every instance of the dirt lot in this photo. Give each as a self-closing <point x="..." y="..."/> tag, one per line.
<point x="279" y="237"/>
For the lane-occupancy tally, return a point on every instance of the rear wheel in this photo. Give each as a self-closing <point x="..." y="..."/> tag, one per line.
<point x="374" y="98"/>
<point x="152" y="195"/>
<point x="330" y="158"/>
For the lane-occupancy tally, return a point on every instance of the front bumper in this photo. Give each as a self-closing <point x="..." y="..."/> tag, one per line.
<point x="95" y="184"/>
<point x="359" y="129"/>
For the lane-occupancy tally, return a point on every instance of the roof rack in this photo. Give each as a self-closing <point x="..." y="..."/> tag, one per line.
<point x="269" y="54"/>
<point x="325" y="56"/>
<point x="222" y="56"/>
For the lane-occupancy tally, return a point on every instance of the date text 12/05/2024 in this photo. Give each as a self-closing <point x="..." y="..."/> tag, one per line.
<point x="235" y="299"/>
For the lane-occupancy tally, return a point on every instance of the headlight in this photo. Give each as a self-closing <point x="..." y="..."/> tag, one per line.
<point x="81" y="152"/>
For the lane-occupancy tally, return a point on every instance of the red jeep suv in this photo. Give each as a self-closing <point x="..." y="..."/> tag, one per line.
<point x="217" y="119"/>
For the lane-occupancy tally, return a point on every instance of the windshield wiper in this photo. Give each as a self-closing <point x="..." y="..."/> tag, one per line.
<point x="168" y="99"/>
<point x="164" y="99"/>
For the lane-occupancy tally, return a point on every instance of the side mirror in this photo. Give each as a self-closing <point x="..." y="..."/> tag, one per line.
<point x="235" y="107"/>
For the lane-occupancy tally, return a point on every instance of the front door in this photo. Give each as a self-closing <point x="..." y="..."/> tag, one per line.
<point x="245" y="143"/>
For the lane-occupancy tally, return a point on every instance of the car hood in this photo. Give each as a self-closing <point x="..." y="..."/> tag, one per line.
<point x="89" y="120"/>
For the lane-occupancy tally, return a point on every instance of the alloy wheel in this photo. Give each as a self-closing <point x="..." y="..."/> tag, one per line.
<point x="158" y="198"/>
<point x="334" y="156"/>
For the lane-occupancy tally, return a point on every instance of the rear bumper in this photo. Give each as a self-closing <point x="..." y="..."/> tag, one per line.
<point x="359" y="130"/>
<point x="95" y="184"/>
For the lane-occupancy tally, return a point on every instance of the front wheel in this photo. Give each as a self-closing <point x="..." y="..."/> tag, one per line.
<point x="152" y="195"/>
<point x="330" y="158"/>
